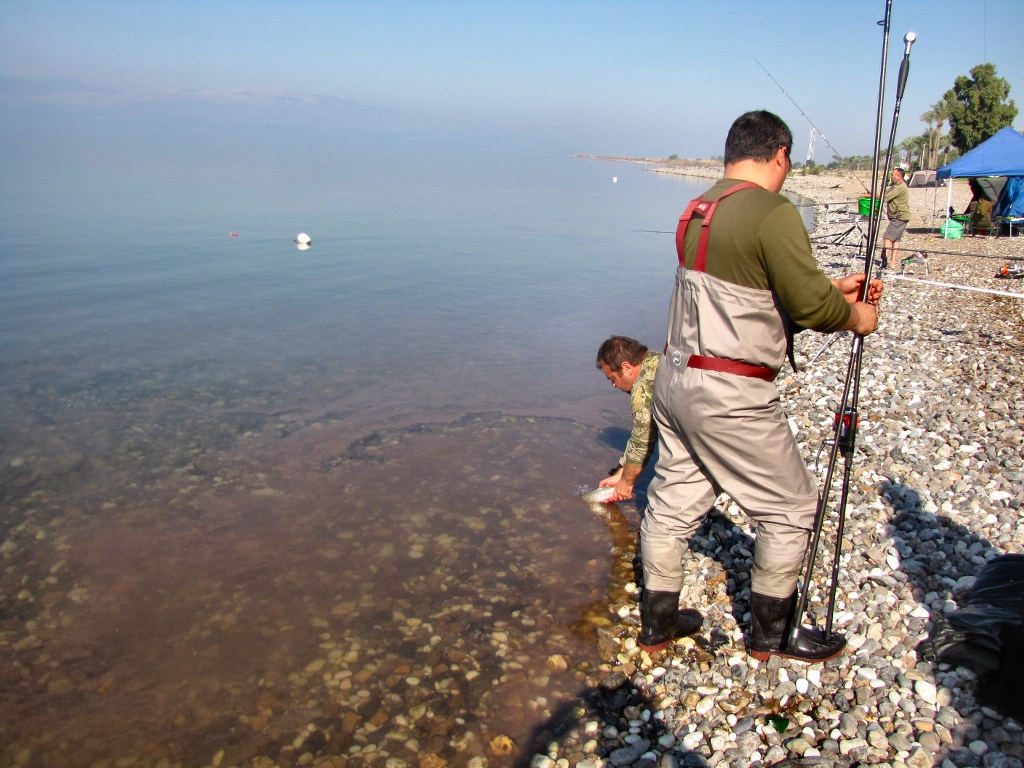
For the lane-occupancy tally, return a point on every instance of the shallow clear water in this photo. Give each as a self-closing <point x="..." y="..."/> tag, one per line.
<point x="222" y="523"/>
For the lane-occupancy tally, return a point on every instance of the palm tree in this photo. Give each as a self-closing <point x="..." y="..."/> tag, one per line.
<point x="935" y="118"/>
<point x="930" y="136"/>
<point x="914" y="148"/>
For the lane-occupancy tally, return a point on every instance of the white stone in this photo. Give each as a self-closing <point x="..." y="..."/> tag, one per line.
<point x="692" y="740"/>
<point x="926" y="691"/>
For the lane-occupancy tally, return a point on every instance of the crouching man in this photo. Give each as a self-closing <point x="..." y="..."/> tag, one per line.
<point x="746" y="277"/>
<point x="631" y="367"/>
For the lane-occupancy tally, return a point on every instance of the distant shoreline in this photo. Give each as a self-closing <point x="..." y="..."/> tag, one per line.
<point x="830" y="188"/>
<point x="681" y="166"/>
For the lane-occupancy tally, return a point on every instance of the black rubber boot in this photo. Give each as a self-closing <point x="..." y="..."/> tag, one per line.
<point x="771" y="619"/>
<point x="663" y="621"/>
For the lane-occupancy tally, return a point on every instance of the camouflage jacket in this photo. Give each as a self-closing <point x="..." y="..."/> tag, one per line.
<point x="645" y="434"/>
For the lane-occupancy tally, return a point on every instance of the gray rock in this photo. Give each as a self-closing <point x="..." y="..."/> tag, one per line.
<point x="848" y="725"/>
<point x="948" y="717"/>
<point x="787" y="688"/>
<point x="614" y="681"/>
<point x="978" y="747"/>
<point x="630" y="754"/>
<point x="899" y="742"/>
<point x="996" y="760"/>
<point x="930" y="741"/>
<point x="747" y="742"/>
<point x="743" y="725"/>
<point x="695" y="760"/>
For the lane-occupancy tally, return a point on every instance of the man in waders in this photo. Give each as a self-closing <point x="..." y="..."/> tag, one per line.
<point x="746" y="277"/>
<point x="631" y="367"/>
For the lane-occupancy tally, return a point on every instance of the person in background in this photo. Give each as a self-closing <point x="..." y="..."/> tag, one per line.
<point x="897" y="208"/>
<point x="630" y="366"/>
<point x="979" y="209"/>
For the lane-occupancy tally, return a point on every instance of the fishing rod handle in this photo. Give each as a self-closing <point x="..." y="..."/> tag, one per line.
<point x="909" y="39"/>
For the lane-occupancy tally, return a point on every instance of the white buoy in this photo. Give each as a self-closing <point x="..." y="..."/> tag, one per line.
<point x="615" y="179"/>
<point x="303" y="239"/>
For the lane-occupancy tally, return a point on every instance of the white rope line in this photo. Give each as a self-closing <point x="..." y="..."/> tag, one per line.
<point x="954" y="285"/>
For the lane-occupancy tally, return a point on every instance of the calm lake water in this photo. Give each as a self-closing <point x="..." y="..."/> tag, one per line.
<point x="277" y="502"/>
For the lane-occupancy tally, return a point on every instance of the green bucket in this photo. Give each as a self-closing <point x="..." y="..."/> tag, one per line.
<point x="865" y="205"/>
<point x="952" y="230"/>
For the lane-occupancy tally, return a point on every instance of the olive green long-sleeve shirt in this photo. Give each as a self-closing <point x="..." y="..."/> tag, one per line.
<point x="758" y="240"/>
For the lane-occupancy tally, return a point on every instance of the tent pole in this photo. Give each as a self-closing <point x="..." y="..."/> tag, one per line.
<point x="949" y="197"/>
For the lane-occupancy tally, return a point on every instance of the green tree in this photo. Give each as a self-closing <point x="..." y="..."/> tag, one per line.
<point x="979" y="107"/>
<point x="915" y="148"/>
<point x="935" y="118"/>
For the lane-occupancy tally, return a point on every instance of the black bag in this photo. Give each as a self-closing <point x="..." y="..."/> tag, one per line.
<point x="986" y="635"/>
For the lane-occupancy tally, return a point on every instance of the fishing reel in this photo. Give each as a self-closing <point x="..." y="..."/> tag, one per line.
<point x="847" y="434"/>
<point x="847" y="422"/>
<point x="1011" y="271"/>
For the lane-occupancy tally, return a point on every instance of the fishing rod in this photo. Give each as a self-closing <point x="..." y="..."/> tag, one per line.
<point x="957" y="286"/>
<point x="844" y="439"/>
<point x="921" y="250"/>
<point x="835" y="151"/>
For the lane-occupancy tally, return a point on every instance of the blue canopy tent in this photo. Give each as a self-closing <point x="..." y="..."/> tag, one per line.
<point x="1001" y="155"/>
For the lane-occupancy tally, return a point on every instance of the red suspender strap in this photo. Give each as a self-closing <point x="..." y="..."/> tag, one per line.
<point x="684" y="222"/>
<point x="707" y="210"/>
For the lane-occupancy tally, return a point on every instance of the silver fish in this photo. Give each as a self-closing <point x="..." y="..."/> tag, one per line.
<point x="598" y="495"/>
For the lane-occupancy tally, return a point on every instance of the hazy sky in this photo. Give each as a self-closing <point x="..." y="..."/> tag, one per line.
<point x="626" y="78"/>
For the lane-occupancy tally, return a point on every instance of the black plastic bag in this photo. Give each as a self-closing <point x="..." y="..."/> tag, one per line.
<point x="986" y="634"/>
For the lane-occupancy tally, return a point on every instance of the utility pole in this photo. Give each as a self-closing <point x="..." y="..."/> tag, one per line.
<point x="810" y="147"/>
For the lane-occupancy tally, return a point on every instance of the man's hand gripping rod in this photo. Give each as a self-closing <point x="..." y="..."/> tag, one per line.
<point x="845" y="435"/>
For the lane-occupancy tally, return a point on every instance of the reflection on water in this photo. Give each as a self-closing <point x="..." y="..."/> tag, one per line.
<point x="425" y="590"/>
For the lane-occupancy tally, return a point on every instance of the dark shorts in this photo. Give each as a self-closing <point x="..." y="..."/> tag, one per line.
<point x="895" y="230"/>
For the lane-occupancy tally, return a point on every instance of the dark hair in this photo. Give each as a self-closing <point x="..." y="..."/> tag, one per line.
<point x="618" y="350"/>
<point x="901" y="172"/>
<point x="757" y="136"/>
